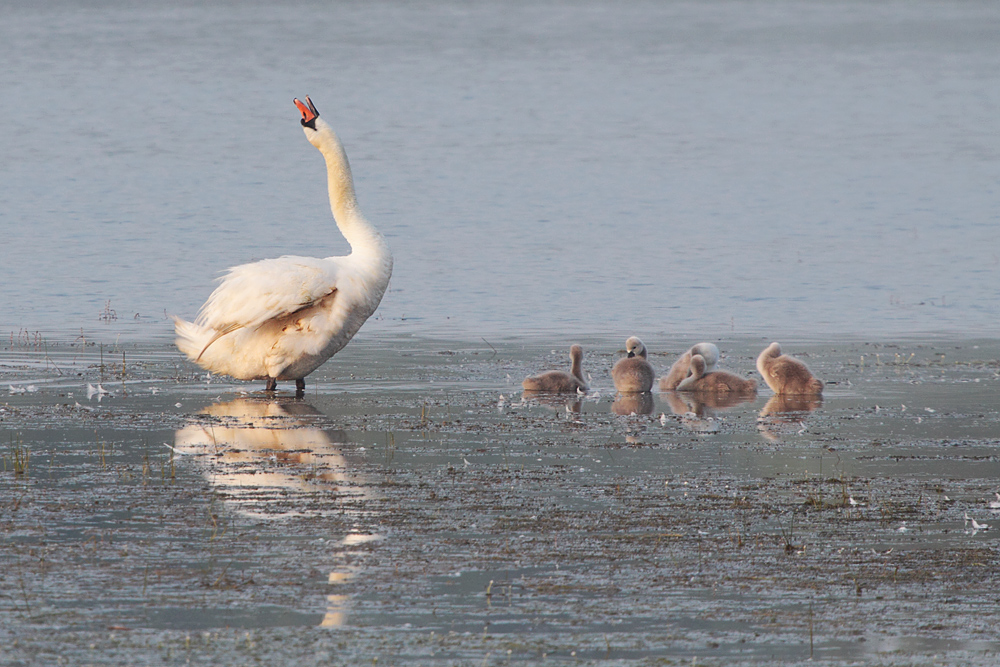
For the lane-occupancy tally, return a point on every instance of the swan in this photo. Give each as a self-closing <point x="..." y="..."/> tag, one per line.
<point x="715" y="382"/>
<point x="633" y="373"/>
<point x="280" y="319"/>
<point x="560" y="382"/>
<point x="785" y="374"/>
<point x="682" y="367"/>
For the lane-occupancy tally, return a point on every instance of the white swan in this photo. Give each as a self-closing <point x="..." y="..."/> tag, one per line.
<point x="682" y="367"/>
<point x="560" y="382"/>
<point x="280" y="319"/>
<point x="633" y="373"/>
<point x="785" y="374"/>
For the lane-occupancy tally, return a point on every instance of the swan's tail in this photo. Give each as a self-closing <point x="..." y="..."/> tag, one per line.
<point x="191" y="338"/>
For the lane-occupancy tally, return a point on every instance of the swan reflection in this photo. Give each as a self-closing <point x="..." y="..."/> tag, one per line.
<point x="269" y="462"/>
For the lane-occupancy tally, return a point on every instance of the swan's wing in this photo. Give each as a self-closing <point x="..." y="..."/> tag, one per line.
<point x="251" y="294"/>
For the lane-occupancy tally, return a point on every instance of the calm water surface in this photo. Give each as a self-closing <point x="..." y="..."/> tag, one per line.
<point x="784" y="169"/>
<point x="418" y="503"/>
<point x="584" y="170"/>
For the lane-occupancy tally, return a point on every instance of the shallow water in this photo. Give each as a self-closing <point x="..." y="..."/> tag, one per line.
<point x="422" y="510"/>
<point x="819" y="173"/>
<point x="722" y="168"/>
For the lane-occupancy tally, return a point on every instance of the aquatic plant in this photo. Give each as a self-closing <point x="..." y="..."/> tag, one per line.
<point x="19" y="457"/>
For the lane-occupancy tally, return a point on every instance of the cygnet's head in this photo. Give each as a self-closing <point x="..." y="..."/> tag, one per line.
<point x="697" y="366"/>
<point x="766" y="358"/>
<point x="709" y="352"/>
<point x="635" y="348"/>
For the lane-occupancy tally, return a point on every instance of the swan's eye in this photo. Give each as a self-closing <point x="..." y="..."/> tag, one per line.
<point x="311" y="123"/>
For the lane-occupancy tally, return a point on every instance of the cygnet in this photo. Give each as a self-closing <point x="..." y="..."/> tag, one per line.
<point x="682" y="367"/>
<point x="715" y="382"/>
<point x="560" y="382"/>
<point x="785" y="374"/>
<point x="633" y="373"/>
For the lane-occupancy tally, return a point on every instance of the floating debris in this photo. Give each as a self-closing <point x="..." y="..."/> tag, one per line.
<point x="995" y="504"/>
<point x="98" y="391"/>
<point x="975" y="525"/>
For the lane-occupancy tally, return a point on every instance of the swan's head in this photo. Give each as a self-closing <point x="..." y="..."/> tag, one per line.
<point x="635" y="348"/>
<point x="312" y="124"/>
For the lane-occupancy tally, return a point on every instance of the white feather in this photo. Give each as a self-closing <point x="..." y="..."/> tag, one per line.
<point x="249" y="294"/>
<point x="281" y="318"/>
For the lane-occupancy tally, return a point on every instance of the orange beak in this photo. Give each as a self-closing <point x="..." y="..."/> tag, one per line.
<point x="309" y="112"/>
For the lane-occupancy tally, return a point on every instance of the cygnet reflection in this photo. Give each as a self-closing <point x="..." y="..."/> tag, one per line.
<point x="559" y="402"/>
<point x="790" y="407"/>
<point x="698" y="411"/>
<point x="704" y="404"/>
<point x="270" y="463"/>
<point x="633" y="403"/>
<point x="784" y="414"/>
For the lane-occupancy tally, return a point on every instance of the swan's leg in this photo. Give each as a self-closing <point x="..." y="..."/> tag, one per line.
<point x="300" y="387"/>
<point x="272" y="384"/>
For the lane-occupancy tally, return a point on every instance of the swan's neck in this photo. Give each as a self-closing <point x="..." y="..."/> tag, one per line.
<point x="577" y="368"/>
<point x="360" y="234"/>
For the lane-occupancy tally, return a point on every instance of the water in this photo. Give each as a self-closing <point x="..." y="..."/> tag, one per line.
<point x="782" y="169"/>
<point x="546" y="173"/>
<point x="424" y="521"/>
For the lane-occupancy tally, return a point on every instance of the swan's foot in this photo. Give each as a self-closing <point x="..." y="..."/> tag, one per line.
<point x="272" y="384"/>
<point x="300" y="388"/>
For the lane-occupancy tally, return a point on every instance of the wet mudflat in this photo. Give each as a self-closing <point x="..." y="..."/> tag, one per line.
<point x="415" y="508"/>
